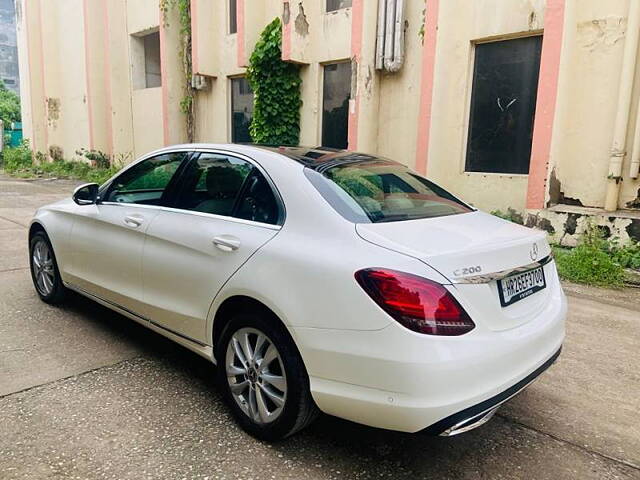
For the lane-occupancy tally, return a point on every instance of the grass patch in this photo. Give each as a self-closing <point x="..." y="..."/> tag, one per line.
<point x="589" y="265"/>
<point x="19" y="162"/>
<point x="598" y="261"/>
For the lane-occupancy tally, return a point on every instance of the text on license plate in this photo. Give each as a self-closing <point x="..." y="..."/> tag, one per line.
<point x="519" y="286"/>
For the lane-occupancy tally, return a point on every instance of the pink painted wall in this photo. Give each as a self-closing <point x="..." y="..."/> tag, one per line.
<point x="546" y="103"/>
<point x="426" y="88"/>
<point x="286" y="36"/>
<point x="356" y="52"/>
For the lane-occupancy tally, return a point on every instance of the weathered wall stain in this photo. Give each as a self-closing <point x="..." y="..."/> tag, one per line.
<point x="286" y="13"/>
<point x="602" y="32"/>
<point x="301" y="24"/>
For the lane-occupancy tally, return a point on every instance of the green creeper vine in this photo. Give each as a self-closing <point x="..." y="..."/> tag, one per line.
<point x="276" y="88"/>
<point x="187" y="102"/>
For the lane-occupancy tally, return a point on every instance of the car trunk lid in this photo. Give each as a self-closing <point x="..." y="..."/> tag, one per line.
<point x="472" y="250"/>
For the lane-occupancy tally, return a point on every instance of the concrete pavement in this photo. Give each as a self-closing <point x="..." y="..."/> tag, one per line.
<point x="86" y="393"/>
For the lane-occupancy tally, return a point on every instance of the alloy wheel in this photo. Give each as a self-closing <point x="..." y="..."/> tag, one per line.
<point x="256" y="376"/>
<point x="43" y="268"/>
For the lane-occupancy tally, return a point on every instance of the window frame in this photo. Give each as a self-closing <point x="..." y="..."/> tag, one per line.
<point x="194" y="153"/>
<point x="169" y="191"/>
<point x="231" y="110"/>
<point x="323" y="66"/>
<point x="462" y="163"/>
<point x="327" y="11"/>
<point x="229" y="17"/>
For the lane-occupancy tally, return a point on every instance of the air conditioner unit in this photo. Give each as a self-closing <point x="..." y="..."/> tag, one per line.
<point x="199" y="82"/>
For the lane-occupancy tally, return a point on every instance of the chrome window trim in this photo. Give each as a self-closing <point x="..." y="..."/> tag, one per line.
<point x="241" y="156"/>
<point x="489" y="277"/>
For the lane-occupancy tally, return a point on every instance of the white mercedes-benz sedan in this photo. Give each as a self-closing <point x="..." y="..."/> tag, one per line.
<point x="317" y="280"/>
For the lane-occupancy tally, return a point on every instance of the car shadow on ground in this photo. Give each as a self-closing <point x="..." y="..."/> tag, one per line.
<point x="329" y="441"/>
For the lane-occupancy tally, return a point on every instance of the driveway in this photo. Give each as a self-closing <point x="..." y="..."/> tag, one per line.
<point x="85" y="393"/>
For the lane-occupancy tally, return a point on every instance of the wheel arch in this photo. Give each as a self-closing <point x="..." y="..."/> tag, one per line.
<point x="245" y="304"/>
<point x="35" y="228"/>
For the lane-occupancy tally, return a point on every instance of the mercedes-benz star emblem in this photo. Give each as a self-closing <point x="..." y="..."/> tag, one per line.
<point x="533" y="253"/>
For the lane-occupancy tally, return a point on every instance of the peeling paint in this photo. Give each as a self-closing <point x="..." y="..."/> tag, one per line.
<point x="556" y="195"/>
<point x="286" y="13"/>
<point x="635" y="203"/>
<point x="602" y="33"/>
<point x="569" y="226"/>
<point x="633" y="230"/>
<point x="301" y="24"/>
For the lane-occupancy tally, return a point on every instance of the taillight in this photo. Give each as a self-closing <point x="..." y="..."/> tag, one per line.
<point x="419" y="304"/>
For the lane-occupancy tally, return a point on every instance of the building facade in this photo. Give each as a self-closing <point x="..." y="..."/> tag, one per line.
<point x="8" y="46"/>
<point x="528" y="104"/>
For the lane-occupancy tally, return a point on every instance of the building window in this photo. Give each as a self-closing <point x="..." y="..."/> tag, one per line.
<point x="337" y="4"/>
<point x="503" y="103"/>
<point x="335" y="104"/>
<point x="233" y="16"/>
<point x="145" y="52"/>
<point x="241" y="110"/>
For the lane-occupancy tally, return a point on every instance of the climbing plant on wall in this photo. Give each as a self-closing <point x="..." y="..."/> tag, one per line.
<point x="276" y="88"/>
<point x="184" y="15"/>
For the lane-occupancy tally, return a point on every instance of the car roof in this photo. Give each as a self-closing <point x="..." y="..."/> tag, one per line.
<point x="315" y="158"/>
<point x="320" y="158"/>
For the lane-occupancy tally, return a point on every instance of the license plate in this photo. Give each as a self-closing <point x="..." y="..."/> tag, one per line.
<point x="516" y="287"/>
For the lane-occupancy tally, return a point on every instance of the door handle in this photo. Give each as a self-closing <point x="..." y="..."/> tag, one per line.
<point x="226" y="243"/>
<point x="132" y="221"/>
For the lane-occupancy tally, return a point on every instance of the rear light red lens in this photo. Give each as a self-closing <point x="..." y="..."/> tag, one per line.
<point x="419" y="304"/>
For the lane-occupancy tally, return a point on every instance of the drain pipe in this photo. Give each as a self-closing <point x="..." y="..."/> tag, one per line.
<point x="390" y="36"/>
<point x="624" y="102"/>
<point x="634" y="169"/>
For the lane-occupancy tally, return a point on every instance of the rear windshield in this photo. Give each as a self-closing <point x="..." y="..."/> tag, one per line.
<point x="382" y="191"/>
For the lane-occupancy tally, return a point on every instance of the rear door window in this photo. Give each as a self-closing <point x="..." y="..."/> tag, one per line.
<point x="225" y="185"/>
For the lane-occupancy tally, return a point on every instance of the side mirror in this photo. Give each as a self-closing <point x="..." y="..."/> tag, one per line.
<point x="86" y="194"/>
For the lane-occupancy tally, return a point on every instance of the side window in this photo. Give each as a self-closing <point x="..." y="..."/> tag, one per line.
<point x="213" y="184"/>
<point x="146" y="182"/>
<point x="258" y="202"/>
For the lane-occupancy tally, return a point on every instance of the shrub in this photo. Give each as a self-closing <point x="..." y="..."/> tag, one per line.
<point x="16" y="158"/>
<point x="590" y="265"/>
<point x="19" y="161"/>
<point x="591" y="262"/>
<point x="276" y="87"/>
<point x="511" y="215"/>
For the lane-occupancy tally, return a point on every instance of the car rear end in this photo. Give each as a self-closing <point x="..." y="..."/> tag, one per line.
<point x="459" y="349"/>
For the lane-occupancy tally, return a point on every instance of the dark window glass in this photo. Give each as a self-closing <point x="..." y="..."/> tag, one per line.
<point x="503" y="102"/>
<point x="338" y="4"/>
<point x="212" y="184"/>
<point x="152" y="70"/>
<point x="241" y="110"/>
<point x="258" y="202"/>
<point x="335" y="104"/>
<point x="381" y="191"/>
<point x="233" y="16"/>
<point x="145" y="183"/>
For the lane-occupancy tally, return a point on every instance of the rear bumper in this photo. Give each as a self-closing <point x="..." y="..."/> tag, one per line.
<point x="399" y="380"/>
<point x="478" y="414"/>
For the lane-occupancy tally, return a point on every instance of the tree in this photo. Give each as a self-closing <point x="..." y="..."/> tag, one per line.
<point x="9" y="106"/>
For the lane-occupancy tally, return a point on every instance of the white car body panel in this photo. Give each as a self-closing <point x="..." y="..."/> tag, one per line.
<point x="363" y="365"/>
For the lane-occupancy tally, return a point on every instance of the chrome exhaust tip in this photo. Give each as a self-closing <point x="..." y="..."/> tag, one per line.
<point x="469" y="423"/>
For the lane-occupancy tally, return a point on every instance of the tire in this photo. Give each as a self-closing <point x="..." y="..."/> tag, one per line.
<point x="287" y="372"/>
<point x="44" y="270"/>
